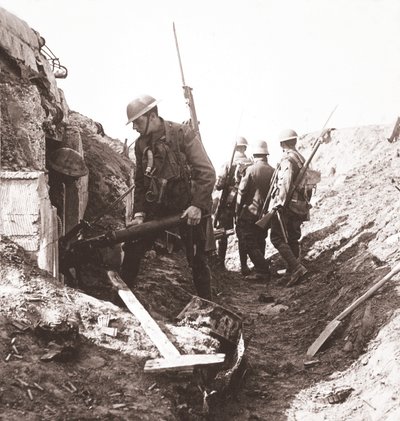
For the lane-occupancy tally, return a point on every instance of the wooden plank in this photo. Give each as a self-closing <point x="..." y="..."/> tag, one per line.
<point x="183" y="362"/>
<point x="158" y="337"/>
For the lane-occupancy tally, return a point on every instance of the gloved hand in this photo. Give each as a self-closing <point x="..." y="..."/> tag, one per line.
<point x="277" y="208"/>
<point x="193" y="214"/>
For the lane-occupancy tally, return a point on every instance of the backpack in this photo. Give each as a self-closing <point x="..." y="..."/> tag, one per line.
<point x="300" y="200"/>
<point x="168" y="183"/>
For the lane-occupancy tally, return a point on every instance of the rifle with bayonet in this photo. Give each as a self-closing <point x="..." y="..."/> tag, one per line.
<point x="226" y="190"/>
<point x="187" y="92"/>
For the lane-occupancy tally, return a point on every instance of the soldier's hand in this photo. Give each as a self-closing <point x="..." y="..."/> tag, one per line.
<point x="326" y="134"/>
<point x="137" y="220"/>
<point x="193" y="214"/>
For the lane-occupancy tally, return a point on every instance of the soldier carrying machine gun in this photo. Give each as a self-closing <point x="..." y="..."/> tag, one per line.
<point x="73" y="247"/>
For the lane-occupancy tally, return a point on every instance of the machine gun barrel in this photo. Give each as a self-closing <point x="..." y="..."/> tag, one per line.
<point x="135" y="232"/>
<point x="141" y="231"/>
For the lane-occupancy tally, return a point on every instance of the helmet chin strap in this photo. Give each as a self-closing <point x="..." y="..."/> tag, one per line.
<point x="147" y="124"/>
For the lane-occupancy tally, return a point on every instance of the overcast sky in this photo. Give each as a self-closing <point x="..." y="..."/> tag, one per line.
<point x="255" y="66"/>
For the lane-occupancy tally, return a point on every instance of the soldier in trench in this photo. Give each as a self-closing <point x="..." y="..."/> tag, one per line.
<point x="290" y="214"/>
<point x="228" y="215"/>
<point x="173" y="174"/>
<point x="253" y="189"/>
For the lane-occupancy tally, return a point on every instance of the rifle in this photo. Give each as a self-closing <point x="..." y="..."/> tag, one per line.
<point x="187" y="92"/>
<point x="264" y="209"/>
<point x="222" y="232"/>
<point x="226" y="189"/>
<point x="264" y="221"/>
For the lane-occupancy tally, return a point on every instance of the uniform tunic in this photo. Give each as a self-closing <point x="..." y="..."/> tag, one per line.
<point x="178" y="165"/>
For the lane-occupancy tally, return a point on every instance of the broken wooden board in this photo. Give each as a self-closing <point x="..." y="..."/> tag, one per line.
<point x="173" y="360"/>
<point x="110" y="331"/>
<point x="158" y="337"/>
<point x="183" y="362"/>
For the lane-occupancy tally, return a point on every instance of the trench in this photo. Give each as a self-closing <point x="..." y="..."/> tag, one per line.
<point x="276" y="334"/>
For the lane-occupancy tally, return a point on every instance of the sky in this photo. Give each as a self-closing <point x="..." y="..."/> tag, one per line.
<point x="256" y="66"/>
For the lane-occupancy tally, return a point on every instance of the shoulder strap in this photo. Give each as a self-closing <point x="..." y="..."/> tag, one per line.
<point x="295" y="158"/>
<point x="175" y="135"/>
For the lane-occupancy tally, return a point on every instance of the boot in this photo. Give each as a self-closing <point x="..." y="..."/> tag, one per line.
<point x="243" y="260"/>
<point x="130" y="264"/>
<point x="297" y="275"/>
<point x="260" y="263"/>
<point x="202" y="279"/>
<point x="245" y="270"/>
<point x="222" y="247"/>
<point x="259" y="277"/>
<point x="203" y="289"/>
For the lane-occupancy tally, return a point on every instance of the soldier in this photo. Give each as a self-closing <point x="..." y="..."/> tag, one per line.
<point x="227" y="216"/>
<point x="253" y="189"/>
<point x="291" y="211"/>
<point x="173" y="174"/>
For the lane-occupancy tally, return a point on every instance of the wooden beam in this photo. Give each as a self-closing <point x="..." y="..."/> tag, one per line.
<point x="158" y="337"/>
<point x="183" y="362"/>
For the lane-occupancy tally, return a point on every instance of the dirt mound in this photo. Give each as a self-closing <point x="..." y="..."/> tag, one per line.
<point x="50" y="374"/>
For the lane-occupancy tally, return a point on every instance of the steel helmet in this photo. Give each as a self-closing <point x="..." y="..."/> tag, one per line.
<point x="261" y="148"/>
<point x="140" y="106"/>
<point x="287" y="134"/>
<point x="241" y="141"/>
<point x="68" y="162"/>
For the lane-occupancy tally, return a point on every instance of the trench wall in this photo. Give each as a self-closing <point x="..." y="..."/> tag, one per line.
<point x="33" y="123"/>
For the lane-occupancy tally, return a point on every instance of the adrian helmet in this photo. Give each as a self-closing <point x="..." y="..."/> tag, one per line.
<point x="140" y="106"/>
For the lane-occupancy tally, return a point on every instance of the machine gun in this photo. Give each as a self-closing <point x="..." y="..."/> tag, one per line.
<point x="72" y="255"/>
<point x="75" y="251"/>
<point x="134" y="232"/>
<point x="68" y="257"/>
<point x="226" y="190"/>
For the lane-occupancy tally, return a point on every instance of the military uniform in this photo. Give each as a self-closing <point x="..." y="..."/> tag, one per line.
<point x="253" y="189"/>
<point x="293" y="214"/>
<point x="173" y="172"/>
<point x="227" y="216"/>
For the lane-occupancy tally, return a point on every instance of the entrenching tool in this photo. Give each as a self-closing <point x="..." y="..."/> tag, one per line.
<point x="172" y="359"/>
<point x="334" y="324"/>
